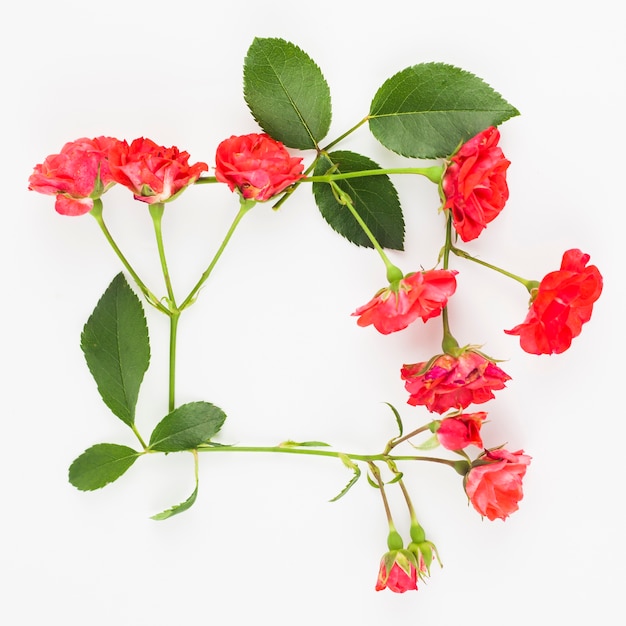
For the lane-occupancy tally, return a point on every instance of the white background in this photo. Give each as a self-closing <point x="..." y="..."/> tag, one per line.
<point x="271" y="339"/>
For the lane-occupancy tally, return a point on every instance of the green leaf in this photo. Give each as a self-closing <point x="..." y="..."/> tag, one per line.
<point x="179" y="508"/>
<point x="117" y="348"/>
<point x="398" y="418"/>
<point x="396" y="478"/>
<point x="286" y="93"/>
<point x="371" y="482"/>
<point x="427" y="110"/>
<point x="100" y="465"/>
<point x="187" y="427"/>
<point x="374" y="198"/>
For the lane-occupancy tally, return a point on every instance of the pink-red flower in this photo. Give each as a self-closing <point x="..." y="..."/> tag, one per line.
<point x="474" y="184"/>
<point x="460" y="431"/>
<point x="76" y="176"/>
<point x="494" y="483"/>
<point x="257" y="165"/>
<point x="152" y="172"/>
<point x="397" y="572"/>
<point x="561" y="304"/>
<point x="419" y="294"/>
<point x="449" y="382"/>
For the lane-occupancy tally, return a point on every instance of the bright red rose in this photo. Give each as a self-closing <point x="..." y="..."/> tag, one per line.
<point x="474" y="184"/>
<point x="460" y="431"/>
<point x="562" y="303"/>
<point x="494" y="484"/>
<point x="257" y="165"/>
<point x="397" y="572"/>
<point x="152" y="172"/>
<point x="448" y="382"/>
<point x="76" y="176"/>
<point x="420" y="294"/>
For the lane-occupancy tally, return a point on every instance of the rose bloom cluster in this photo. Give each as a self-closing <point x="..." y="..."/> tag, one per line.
<point x="474" y="191"/>
<point x="257" y="166"/>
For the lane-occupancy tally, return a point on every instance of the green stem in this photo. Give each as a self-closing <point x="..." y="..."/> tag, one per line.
<point x="287" y="193"/>
<point x="174" y="317"/>
<point x="393" y="273"/>
<point x="205" y="180"/>
<point x="150" y="297"/>
<point x="141" y="441"/>
<point x="432" y="173"/>
<point x="348" y="132"/>
<point x="367" y="458"/>
<point x="449" y="344"/>
<point x="156" y="211"/>
<point x="408" y="501"/>
<point x="395" y="442"/>
<point x="529" y="284"/>
<point x="381" y="486"/>
<point x="245" y="206"/>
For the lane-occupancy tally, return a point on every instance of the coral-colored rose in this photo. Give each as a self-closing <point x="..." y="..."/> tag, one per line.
<point x="398" y="572"/>
<point x="257" y="165"/>
<point x="152" y="172"/>
<point x="494" y="484"/>
<point x="474" y="184"/>
<point x="562" y="303"/>
<point x="448" y="382"/>
<point x="76" y="176"/>
<point x="420" y="294"/>
<point x="460" y="431"/>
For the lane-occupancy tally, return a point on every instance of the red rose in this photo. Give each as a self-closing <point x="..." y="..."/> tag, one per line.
<point x="76" y="176"/>
<point x="474" y="184"/>
<point x="447" y="382"/>
<point x="562" y="303"/>
<point x="460" y="431"/>
<point x="397" y="572"/>
<point x="421" y="294"/>
<point x="257" y="165"/>
<point x="153" y="173"/>
<point x="494" y="485"/>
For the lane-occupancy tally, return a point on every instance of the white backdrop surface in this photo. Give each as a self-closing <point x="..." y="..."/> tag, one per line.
<point x="271" y="339"/>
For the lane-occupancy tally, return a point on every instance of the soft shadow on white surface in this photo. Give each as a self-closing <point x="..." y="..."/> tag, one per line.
<point x="280" y="352"/>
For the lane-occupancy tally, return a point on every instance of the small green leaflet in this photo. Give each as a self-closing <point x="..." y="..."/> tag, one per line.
<point x="179" y="508"/>
<point x="187" y="427"/>
<point x="428" y="109"/>
<point x="117" y="348"/>
<point x="303" y="444"/>
<point x="100" y="465"/>
<point x="430" y="444"/>
<point x="374" y="198"/>
<point x="286" y="93"/>
<point x="398" y="418"/>
<point x="350" y="464"/>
